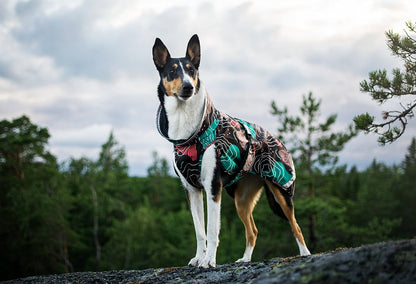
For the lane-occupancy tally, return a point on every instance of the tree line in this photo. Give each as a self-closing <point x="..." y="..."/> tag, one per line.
<point x="89" y="214"/>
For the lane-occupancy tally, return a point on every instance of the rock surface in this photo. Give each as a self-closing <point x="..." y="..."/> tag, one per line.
<point x="389" y="262"/>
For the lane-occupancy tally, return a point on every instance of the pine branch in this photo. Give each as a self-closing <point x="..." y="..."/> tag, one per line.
<point x="382" y="89"/>
<point x="392" y="133"/>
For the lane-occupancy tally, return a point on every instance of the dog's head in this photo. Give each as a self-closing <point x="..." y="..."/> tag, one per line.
<point x="178" y="76"/>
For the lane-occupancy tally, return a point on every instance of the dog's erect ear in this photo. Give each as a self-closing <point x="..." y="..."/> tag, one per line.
<point x="193" y="51"/>
<point x="160" y="54"/>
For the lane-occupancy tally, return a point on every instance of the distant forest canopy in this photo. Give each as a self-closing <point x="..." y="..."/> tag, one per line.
<point x="91" y="215"/>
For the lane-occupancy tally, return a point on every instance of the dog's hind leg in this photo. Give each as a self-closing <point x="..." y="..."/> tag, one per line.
<point x="211" y="181"/>
<point x="286" y="205"/>
<point x="246" y="195"/>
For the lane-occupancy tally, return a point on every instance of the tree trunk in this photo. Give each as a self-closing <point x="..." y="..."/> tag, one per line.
<point x="64" y="252"/>
<point x="311" y="194"/>
<point x="95" y="229"/>
<point x="312" y="233"/>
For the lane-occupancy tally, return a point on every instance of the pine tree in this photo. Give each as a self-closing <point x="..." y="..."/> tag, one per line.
<point x="112" y="171"/>
<point x="98" y="187"/>
<point x="401" y="87"/>
<point x="312" y="144"/>
<point x="21" y="143"/>
<point x="33" y="203"/>
<point x="159" y="167"/>
<point x="409" y="163"/>
<point x="406" y="193"/>
<point x="112" y="157"/>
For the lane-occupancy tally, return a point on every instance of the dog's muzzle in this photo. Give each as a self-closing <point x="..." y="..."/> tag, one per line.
<point x="187" y="91"/>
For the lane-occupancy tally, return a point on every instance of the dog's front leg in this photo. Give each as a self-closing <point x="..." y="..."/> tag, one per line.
<point x="211" y="180"/>
<point x="196" y="203"/>
<point x="213" y="230"/>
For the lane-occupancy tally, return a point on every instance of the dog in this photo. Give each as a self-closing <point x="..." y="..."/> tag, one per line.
<point x="213" y="151"/>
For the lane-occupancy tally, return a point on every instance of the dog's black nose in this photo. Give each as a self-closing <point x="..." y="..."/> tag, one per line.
<point x="187" y="90"/>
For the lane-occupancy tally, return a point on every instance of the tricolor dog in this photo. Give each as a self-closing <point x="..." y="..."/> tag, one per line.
<point x="213" y="151"/>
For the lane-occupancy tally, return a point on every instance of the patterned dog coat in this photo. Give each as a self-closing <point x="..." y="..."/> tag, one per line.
<point x="242" y="148"/>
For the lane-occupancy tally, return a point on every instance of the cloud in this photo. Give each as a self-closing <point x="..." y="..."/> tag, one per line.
<point x="84" y="68"/>
<point x="77" y="41"/>
<point x="84" y="137"/>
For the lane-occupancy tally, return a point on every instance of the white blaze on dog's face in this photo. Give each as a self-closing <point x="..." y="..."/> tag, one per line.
<point x="179" y="76"/>
<point x="180" y="79"/>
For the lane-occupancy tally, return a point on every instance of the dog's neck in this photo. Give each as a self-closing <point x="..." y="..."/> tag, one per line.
<point x="185" y="116"/>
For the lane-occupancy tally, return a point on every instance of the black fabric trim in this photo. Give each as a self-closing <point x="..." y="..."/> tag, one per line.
<point x="162" y="124"/>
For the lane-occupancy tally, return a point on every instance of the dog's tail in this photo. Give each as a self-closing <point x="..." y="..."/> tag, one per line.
<point x="274" y="205"/>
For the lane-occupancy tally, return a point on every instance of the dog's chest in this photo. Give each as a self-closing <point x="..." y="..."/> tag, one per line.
<point x="184" y="117"/>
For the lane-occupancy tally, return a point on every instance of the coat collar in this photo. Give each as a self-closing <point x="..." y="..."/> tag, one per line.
<point x="206" y="119"/>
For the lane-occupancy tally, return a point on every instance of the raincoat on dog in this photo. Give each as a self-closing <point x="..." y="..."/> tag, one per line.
<point x="241" y="147"/>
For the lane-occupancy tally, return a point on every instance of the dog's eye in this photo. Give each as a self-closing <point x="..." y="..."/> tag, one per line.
<point x="191" y="72"/>
<point x="172" y="71"/>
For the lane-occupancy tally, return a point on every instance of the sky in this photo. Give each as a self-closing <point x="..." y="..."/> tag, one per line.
<point x="84" y="68"/>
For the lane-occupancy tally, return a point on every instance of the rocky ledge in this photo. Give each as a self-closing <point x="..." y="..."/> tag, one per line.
<point x="389" y="262"/>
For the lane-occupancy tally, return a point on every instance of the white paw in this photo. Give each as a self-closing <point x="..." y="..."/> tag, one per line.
<point x="196" y="260"/>
<point x="303" y="250"/>
<point x="207" y="262"/>
<point x="305" y="253"/>
<point x="243" y="259"/>
<point x="247" y="254"/>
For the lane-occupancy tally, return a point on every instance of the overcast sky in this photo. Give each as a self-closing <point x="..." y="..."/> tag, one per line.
<point x="82" y="68"/>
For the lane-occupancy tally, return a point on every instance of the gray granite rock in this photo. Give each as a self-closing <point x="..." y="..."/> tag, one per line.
<point x="389" y="262"/>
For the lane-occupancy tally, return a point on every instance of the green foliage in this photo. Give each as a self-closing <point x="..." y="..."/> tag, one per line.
<point x="159" y="168"/>
<point x="401" y="86"/>
<point x="99" y="188"/>
<point x="90" y="215"/>
<point x="21" y="143"/>
<point x="150" y="237"/>
<point x="112" y="158"/>
<point x="310" y="140"/>
<point x="312" y="144"/>
<point x="406" y="193"/>
<point x="364" y="121"/>
<point x="33" y="231"/>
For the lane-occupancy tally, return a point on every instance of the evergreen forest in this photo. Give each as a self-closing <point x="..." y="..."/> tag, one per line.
<point x="90" y="215"/>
